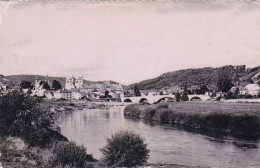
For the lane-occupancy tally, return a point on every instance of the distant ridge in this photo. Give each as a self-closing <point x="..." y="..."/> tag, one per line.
<point x="199" y="76"/>
<point x="16" y="80"/>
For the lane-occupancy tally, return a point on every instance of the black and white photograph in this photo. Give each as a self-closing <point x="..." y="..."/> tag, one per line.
<point x="129" y="83"/>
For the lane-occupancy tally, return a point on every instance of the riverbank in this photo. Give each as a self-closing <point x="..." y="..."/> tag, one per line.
<point x="241" y="119"/>
<point x="59" y="106"/>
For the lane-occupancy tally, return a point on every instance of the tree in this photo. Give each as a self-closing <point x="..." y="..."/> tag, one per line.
<point x="41" y="83"/>
<point x="184" y="96"/>
<point x="56" y="85"/>
<point x="46" y="86"/>
<point x="236" y="94"/>
<point x="69" y="154"/>
<point x="21" y="117"/>
<point x="106" y="94"/>
<point x="203" y="89"/>
<point x="136" y="90"/>
<point x="224" y="83"/>
<point x="178" y="97"/>
<point x="26" y="85"/>
<point x="125" y="149"/>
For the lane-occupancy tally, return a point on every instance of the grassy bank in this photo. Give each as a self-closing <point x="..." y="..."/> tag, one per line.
<point x="233" y="118"/>
<point x="14" y="152"/>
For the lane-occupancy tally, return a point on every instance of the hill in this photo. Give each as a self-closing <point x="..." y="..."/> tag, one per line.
<point x="199" y="76"/>
<point x="16" y="80"/>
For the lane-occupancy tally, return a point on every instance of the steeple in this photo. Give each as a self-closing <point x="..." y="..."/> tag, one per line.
<point x="37" y="83"/>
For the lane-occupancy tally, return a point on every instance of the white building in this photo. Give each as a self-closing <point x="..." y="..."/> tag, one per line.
<point x="76" y="95"/>
<point x="39" y="92"/>
<point x="57" y="94"/>
<point x="253" y="89"/>
<point x="66" y="95"/>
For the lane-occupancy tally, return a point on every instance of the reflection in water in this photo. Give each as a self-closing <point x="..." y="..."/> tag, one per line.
<point x="167" y="145"/>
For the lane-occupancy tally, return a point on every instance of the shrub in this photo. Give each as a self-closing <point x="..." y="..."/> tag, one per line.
<point x="215" y="120"/>
<point x="125" y="148"/>
<point x="245" y="124"/>
<point x="219" y="98"/>
<point x="132" y="111"/>
<point x="147" y="114"/>
<point x="69" y="154"/>
<point x="163" y="105"/>
<point x="162" y="116"/>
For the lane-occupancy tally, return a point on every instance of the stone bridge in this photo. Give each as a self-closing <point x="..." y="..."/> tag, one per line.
<point x="157" y="98"/>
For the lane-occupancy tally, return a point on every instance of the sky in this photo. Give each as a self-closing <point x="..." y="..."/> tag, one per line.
<point x="126" y="42"/>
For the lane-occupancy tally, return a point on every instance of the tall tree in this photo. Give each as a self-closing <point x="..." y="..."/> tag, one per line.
<point x="41" y="83"/>
<point x="184" y="96"/>
<point x="178" y="97"/>
<point x="203" y="89"/>
<point x="45" y="85"/>
<point x="56" y="85"/>
<point x="26" y="85"/>
<point x="106" y="94"/>
<point x="136" y="90"/>
<point x="224" y="82"/>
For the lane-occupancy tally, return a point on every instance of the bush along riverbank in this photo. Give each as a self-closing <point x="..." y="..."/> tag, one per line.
<point x="242" y="124"/>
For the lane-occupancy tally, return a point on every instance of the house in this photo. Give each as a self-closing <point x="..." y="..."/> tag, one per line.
<point x="66" y="94"/>
<point x="38" y="92"/>
<point x="96" y="94"/>
<point x="220" y="94"/>
<point x="77" y="95"/>
<point x="57" y="95"/>
<point x="243" y="91"/>
<point x="147" y="92"/>
<point x="253" y="89"/>
<point x="114" y="94"/>
<point x="49" y="94"/>
<point x="152" y="93"/>
<point x="234" y="88"/>
<point x="118" y="87"/>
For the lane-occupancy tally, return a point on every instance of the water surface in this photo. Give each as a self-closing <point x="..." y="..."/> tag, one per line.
<point x="168" y="145"/>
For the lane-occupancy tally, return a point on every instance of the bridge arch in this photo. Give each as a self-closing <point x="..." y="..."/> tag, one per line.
<point x="127" y="100"/>
<point x="168" y="99"/>
<point x="195" y="98"/>
<point x="143" y="100"/>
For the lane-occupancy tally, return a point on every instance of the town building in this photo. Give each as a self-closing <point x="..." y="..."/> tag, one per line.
<point x="66" y="95"/>
<point x="253" y="89"/>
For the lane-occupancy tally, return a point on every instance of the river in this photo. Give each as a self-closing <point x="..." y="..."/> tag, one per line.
<point x="167" y="145"/>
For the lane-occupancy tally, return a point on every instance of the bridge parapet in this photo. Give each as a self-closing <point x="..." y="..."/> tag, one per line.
<point x="156" y="98"/>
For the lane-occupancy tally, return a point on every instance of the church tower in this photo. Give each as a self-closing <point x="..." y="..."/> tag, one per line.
<point x="79" y="82"/>
<point x="69" y="83"/>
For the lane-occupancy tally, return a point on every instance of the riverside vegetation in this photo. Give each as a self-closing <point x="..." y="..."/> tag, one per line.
<point x="241" y="120"/>
<point x="29" y="137"/>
